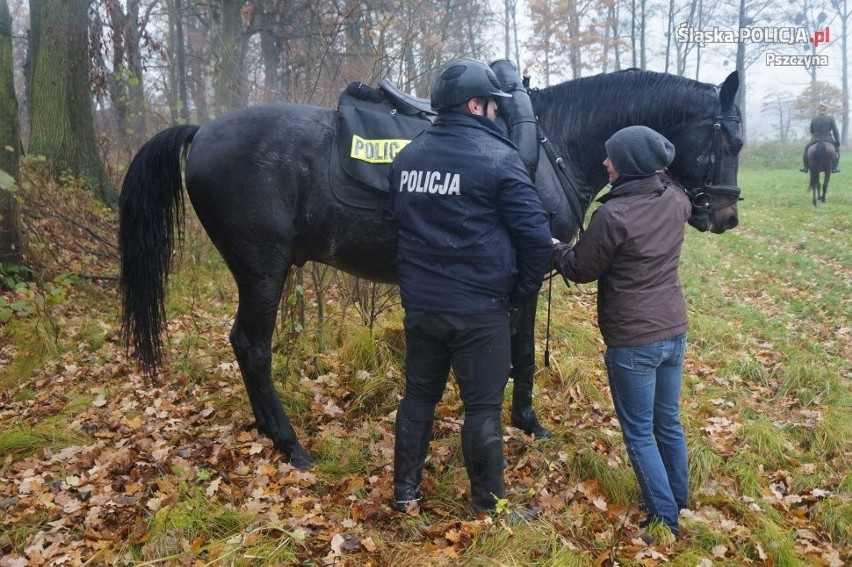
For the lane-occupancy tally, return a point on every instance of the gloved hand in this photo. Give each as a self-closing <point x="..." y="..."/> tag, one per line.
<point x="518" y="300"/>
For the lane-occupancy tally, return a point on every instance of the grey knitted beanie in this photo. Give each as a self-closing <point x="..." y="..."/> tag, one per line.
<point x="637" y="150"/>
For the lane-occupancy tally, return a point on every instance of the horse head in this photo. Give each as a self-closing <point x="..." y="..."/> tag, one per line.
<point x="700" y="119"/>
<point x="707" y="160"/>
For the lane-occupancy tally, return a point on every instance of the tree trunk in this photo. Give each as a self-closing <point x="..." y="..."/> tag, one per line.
<point x="575" y="44"/>
<point x="197" y="48"/>
<point x="136" y="91"/>
<point x="271" y="54"/>
<point x="11" y="241"/>
<point x="616" y="37"/>
<point x="739" y="99"/>
<point x="180" y="52"/>
<point x="643" y="35"/>
<point x="226" y="78"/>
<point x="844" y="19"/>
<point x="633" y="47"/>
<point x="61" y="123"/>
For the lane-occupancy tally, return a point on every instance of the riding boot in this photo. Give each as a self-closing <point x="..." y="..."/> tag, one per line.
<point x="523" y="414"/>
<point x="804" y="168"/>
<point x="482" y="448"/>
<point x="411" y="445"/>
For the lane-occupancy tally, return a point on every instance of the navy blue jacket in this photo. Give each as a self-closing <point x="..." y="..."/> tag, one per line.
<point x="473" y="234"/>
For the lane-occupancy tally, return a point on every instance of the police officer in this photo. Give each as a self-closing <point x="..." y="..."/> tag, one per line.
<point x="473" y="241"/>
<point x="823" y="129"/>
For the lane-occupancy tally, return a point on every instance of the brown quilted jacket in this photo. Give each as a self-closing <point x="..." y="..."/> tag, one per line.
<point x="632" y="248"/>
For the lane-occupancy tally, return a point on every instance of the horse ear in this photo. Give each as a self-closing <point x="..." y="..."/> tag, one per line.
<point x="729" y="89"/>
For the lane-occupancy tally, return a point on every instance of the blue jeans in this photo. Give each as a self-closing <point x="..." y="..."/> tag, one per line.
<point x="645" y="385"/>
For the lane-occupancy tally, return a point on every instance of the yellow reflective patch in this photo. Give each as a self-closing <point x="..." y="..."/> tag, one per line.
<point x="375" y="151"/>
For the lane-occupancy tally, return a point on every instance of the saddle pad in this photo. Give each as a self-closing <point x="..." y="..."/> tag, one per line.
<point x="370" y="132"/>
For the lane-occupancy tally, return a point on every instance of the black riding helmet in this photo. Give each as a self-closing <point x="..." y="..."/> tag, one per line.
<point x="461" y="80"/>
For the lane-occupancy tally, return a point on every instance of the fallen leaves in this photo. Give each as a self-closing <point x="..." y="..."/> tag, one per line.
<point x="142" y="455"/>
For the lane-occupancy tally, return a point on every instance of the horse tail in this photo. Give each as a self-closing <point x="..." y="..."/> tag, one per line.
<point x="151" y="216"/>
<point x="819" y="158"/>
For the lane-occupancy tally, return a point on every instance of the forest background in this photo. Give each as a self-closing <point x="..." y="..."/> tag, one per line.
<point x="98" y="466"/>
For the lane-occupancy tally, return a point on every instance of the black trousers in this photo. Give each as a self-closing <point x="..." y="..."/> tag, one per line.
<point x="477" y="348"/>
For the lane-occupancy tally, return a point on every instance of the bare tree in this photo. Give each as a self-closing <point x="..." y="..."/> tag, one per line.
<point x="685" y="17"/>
<point x="510" y="31"/>
<point x="780" y="104"/>
<point x="811" y="14"/>
<point x="819" y="92"/>
<point x="177" y="72"/>
<point x="226" y="30"/>
<point x="843" y="12"/>
<point x="550" y="39"/>
<point x="121" y="34"/>
<point x="11" y="241"/>
<point x="612" y="38"/>
<point x="750" y="13"/>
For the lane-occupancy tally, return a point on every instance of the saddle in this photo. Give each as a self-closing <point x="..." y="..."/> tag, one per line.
<point x="373" y="125"/>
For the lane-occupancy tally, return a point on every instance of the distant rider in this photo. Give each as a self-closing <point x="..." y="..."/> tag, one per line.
<point x="823" y="129"/>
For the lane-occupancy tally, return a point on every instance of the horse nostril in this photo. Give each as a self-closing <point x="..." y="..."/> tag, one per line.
<point x="732" y="222"/>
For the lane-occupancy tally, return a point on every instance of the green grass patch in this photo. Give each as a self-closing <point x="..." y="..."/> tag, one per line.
<point x="24" y="441"/>
<point x="33" y="349"/>
<point x="766" y="439"/>
<point x="339" y="457"/>
<point x="195" y="518"/>
<point x="835" y="515"/>
<point x="830" y="438"/>
<point x="618" y="483"/>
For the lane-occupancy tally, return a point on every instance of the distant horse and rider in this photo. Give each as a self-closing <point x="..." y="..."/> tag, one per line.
<point x="821" y="159"/>
<point x="261" y="182"/>
<point x="822" y="153"/>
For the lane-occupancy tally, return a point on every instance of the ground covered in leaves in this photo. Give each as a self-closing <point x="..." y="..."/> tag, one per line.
<point x="99" y="466"/>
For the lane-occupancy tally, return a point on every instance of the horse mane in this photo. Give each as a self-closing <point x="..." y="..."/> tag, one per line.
<point x="611" y="101"/>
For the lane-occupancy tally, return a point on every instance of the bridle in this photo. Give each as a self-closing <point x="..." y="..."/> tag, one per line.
<point x="702" y="196"/>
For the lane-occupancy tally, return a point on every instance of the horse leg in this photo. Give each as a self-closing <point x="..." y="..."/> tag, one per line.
<point x="251" y="339"/>
<point x="523" y="369"/>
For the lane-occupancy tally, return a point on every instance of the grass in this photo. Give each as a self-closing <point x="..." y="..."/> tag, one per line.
<point x="24" y="441"/>
<point x="195" y="518"/>
<point x="766" y="411"/>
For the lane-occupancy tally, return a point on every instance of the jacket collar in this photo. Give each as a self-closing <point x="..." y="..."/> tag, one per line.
<point x="627" y="186"/>
<point x="451" y="117"/>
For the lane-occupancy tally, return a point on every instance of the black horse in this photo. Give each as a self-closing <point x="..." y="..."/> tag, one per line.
<point x="258" y="179"/>
<point x="821" y="157"/>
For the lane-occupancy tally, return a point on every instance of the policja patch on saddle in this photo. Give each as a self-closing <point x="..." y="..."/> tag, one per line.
<point x="372" y="127"/>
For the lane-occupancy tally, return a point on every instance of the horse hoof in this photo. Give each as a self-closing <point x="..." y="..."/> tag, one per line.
<point x="531" y="426"/>
<point x="540" y="431"/>
<point x="302" y="460"/>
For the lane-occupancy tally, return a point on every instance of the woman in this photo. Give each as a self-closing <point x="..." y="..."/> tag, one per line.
<point x="632" y="247"/>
